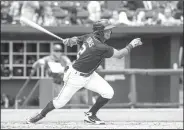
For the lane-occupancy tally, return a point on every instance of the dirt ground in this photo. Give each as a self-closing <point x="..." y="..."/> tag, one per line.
<point x="115" y="119"/>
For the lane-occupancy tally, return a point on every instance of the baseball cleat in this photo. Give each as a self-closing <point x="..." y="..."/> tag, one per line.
<point x="34" y="119"/>
<point x="93" y="119"/>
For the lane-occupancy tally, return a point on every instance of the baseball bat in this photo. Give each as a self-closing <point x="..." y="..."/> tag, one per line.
<point x="38" y="27"/>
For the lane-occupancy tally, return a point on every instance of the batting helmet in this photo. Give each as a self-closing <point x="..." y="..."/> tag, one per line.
<point x="102" y="24"/>
<point x="57" y="47"/>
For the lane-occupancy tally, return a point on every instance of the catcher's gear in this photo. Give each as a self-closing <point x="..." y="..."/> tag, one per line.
<point x="57" y="77"/>
<point x="102" y="25"/>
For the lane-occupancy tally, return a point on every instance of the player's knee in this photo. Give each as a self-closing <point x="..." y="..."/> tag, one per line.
<point x="108" y="94"/>
<point x="58" y="104"/>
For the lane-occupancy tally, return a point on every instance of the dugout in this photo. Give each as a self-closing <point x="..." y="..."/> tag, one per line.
<point x="160" y="50"/>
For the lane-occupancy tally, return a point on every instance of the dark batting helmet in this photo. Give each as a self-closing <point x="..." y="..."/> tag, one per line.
<point x="102" y="25"/>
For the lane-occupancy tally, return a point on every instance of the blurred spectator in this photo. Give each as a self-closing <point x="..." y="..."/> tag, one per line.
<point x="5" y="17"/>
<point x="153" y="20"/>
<point x="15" y="11"/>
<point x="132" y="12"/>
<point x="148" y="5"/>
<point x="49" y="19"/>
<point x="180" y="5"/>
<point x="133" y="4"/>
<point x="18" y="48"/>
<point x="179" y="10"/>
<point x="128" y="13"/>
<point x="115" y="18"/>
<point x="31" y="59"/>
<point x="5" y="71"/>
<point x="94" y="9"/>
<point x="167" y="19"/>
<point x="5" y="100"/>
<point x="33" y="101"/>
<point x="72" y="18"/>
<point x="39" y="13"/>
<point x="18" y="59"/>
<point x="5" y="3"/>
<point x="141" y="18"/>
<point x="4" y="59"/>
<point x="29" y="10"/>
<point x="123" y="19"/>
<point x="21" y="100"/>
<point x="18" y="72"/>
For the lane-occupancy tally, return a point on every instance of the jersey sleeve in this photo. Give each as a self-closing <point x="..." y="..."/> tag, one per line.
<point x="108" y="51"/>
<point x="80" y="39"/>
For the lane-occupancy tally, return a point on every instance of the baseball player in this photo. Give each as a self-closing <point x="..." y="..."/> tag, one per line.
<point x="82" y="72"/>
<point x="48" y="62"/>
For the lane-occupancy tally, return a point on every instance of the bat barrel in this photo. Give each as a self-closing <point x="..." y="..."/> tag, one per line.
<point x="38" y="27"/>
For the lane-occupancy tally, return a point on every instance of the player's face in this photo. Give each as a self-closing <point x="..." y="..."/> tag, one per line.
<point x="57" y="53"/>
<point x="107" y="34"/>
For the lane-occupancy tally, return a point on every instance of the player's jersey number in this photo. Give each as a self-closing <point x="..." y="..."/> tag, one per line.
<point x="90" y="43"/>
<point x="82" y="50"/>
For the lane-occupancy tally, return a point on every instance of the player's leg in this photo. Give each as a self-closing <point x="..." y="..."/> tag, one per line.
<point x="71" y="86"/>
<point x="56" y="89"/>
<point x="100" y="86"/>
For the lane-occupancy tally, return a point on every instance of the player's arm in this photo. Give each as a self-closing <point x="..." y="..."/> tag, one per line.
<point x="123" y="52"/>
<point x="37" y="64"/>
<point x="74" y="40"/>
<point x="68" y="61"/>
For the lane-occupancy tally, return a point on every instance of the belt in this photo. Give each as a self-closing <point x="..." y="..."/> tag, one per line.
<point x="80" y="73"/>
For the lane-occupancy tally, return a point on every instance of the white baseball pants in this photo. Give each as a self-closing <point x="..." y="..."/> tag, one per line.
<point x="73" y="82"/>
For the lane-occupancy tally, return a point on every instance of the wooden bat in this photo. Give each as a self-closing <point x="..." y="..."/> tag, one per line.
<point x="38" y="27"/>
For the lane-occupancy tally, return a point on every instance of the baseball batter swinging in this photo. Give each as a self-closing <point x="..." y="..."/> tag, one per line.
<point x="82" y="72"/>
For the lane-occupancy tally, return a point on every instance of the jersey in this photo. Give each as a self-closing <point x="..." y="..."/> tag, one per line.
<point x="91" y="54"/>
<point x="64" y="61"/>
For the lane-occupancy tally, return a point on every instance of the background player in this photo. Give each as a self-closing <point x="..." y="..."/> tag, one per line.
<point x="82" y="72"/>
<point x="48" y="62"/>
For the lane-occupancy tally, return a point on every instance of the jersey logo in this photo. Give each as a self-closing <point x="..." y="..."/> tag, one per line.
<point x="90" y="42"/>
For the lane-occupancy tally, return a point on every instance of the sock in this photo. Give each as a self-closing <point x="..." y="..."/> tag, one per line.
<point x="48" y="108"/>
<point x="100" y="102"/>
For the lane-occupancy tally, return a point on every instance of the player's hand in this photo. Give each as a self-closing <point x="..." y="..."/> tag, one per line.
<point x="65" y="41"/>
<point x="32" y="73"/>
<point x="136" y="42"/>
<point x="70" y="41"/>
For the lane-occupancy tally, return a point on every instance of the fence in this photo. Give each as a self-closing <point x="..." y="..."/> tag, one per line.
<point x="133" y="93"/>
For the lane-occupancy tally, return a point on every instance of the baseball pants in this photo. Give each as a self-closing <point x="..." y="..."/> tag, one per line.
<point x="73" y="82"/>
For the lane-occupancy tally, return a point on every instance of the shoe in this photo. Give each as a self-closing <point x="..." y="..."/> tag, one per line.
<point x="93" y="119"/>
<point x="34" y="119"/>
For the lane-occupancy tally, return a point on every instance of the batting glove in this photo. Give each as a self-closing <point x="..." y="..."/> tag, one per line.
<point x="70" y="41"/>
<point x="136" y="42"/>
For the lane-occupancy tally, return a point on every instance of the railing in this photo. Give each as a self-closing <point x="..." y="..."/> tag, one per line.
<point x="150" y="72"/>
<point x="133" y="97"/>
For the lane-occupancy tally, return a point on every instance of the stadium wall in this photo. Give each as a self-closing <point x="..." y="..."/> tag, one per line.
<point x="160" y="50"/>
